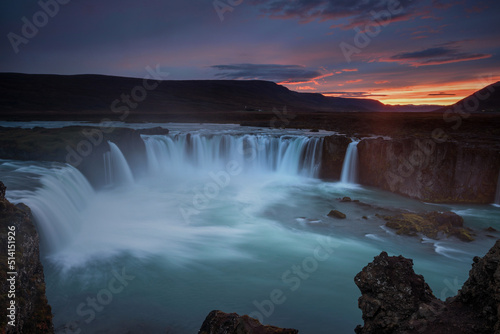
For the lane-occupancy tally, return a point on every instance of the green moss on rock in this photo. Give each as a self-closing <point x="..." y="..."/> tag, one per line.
<point x="430" y="224"/>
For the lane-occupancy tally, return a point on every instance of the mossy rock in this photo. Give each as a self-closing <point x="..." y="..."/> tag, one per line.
<point x="430" y="224"/>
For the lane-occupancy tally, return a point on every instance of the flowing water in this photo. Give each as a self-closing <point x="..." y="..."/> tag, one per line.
<point x="350" y="167"/>
<point x="497" y="196"/>
<point x="221" y="217"/>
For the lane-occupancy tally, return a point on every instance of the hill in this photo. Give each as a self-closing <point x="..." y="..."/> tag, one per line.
<point x="486" y="100"/>
<point x="98" y="94"/>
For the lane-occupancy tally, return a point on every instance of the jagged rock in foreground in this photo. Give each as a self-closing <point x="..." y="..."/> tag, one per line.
<point x="33" y="313"/>
<point x="481" y="291"/>
<point x="395" y="300"/>
<point x="218" y="322"/>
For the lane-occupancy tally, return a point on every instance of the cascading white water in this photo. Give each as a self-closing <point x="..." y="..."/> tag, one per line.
<point x="242" y="243"/>
<point x="58" y="204"/>
<point x="497" y="197"/>
<point x="288" y="155"/>
<point x="116" y="168"/>
<point x="350" y="165"/>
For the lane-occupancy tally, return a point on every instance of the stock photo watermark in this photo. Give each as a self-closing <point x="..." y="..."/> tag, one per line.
<point x="121" y="106"/>
<point x="293" y="278"/>
<point x="419" y="158"/>
<point x="363" y="37"/>
<point x="221" y="179"/>
<point x="31" y="27"/>
<point x="210" y="190"/>
<point x="87" y="310"/>
<point x="221" y="7"/>
<point x="11" y="275"/>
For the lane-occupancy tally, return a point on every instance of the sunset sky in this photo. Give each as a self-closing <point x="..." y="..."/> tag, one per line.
<point x="398" y="52"/>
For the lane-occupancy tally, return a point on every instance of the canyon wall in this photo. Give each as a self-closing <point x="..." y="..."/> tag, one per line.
<point x="464" y="171"/>
<point x="82" y="147"/>
<point x="429" y="171"/>
<point x="24" y="292"/>
<point x="333" y="154"/>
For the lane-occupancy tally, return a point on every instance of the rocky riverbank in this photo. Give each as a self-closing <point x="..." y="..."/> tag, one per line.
<point x="30" y="311"/>
<point x="396" y="300"/>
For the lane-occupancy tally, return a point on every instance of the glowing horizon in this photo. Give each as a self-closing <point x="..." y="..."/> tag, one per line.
<point x="430" y="53"/>
<point x="442" y="95"/>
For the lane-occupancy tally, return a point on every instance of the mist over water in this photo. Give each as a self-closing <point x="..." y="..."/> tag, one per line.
<point x="218" y="220"/>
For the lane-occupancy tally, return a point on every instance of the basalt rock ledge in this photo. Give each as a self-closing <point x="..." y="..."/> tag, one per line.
<point x="32" y="312"/>
<point x="396" y="300"/>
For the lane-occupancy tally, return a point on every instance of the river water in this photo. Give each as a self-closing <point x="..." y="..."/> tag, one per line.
<point x="220" y="217"/>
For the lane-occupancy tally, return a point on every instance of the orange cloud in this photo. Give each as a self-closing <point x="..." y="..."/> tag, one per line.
<point x="305" y="88"/>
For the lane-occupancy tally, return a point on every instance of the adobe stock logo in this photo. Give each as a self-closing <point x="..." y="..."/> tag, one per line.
<point x="40" y="19"/>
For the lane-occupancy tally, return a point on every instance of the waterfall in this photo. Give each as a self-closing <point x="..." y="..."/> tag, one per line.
<point x="57" y="204"/>
<point x="116" y="168"/>
<point x="497" y="197"/>
<point x="350" y="166"/>
<point x="288" y="155"/>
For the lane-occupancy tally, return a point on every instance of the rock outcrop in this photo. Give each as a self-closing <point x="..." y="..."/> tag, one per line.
<point x="395" y="300"/>
<point x="430" y="171"/>
<point x="80" y="146"/>
<point x="32" y="311"/>
<point x="334" y="149"/>
<point x="337" y="214"/>
<point x="431" y="224"/>
<point x="481" y="291"/>
<point x="218" y="322"/>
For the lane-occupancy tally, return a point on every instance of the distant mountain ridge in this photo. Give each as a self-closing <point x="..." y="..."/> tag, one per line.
<point x="47" y="94"/>
<point x="40" y="93"/>
<point x="486" y="100"/>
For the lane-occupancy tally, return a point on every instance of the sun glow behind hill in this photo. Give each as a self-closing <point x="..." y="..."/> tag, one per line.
<point x="432" y="94"/>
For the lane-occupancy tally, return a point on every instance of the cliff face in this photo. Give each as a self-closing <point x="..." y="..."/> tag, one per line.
<point x="23" y="292"/>
<point x="430" y="171"/>
<point x="482" y="290"/>
<point x="334" y="149"/>
<point x="395" y="300"/>
<point x="82" y="147"/>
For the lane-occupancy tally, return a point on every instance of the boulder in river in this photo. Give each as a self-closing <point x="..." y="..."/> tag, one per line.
<point x="337" y="214"/>
<point x="430" y="224"/>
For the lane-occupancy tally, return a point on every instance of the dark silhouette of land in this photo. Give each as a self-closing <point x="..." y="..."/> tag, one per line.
<point x="27" y="97"/>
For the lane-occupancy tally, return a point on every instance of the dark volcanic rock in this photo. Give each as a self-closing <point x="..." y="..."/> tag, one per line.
<point x="391" y="294"/>
<point x="33" y="313"/>
<point x="337" y="214"/>
<point x="154" y="131"/>
<point x="433" y="172"/>
<point x="482" y="290"/>
<point x="218" y="322"/>
<point x="430" y="224"/>
<point x="334" y="149"/>
<point x="395" y="300"/>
